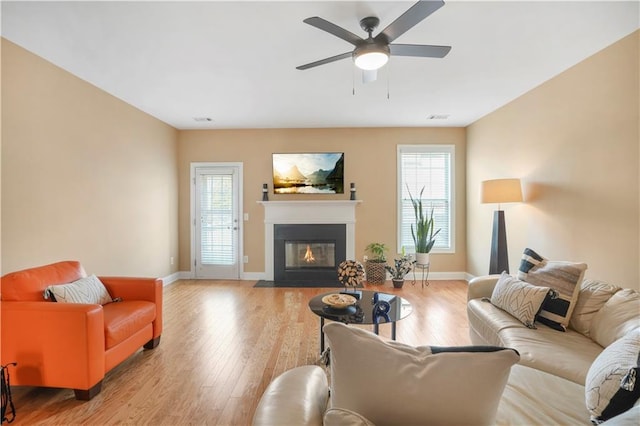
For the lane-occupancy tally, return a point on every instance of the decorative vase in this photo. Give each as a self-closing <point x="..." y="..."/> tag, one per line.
<point x="422" y="258"/>
<point x="398" y="282"/>
<point x="376" y="274"/>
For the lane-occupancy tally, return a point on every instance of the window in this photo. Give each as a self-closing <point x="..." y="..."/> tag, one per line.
<point x="430" y="167"/>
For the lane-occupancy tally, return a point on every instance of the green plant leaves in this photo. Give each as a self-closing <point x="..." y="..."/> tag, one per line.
<point x="423" y="234"/>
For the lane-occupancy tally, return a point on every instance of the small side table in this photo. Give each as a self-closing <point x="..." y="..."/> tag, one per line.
<point x="362" y="312"/>
<point x="425" y="274"/>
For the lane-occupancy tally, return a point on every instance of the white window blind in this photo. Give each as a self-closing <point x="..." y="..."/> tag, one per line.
<point x="430" y="167"/>
<point x="216" y="208"/>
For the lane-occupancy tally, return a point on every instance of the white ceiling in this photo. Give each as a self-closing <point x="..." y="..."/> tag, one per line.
<point x="235" y="61"/>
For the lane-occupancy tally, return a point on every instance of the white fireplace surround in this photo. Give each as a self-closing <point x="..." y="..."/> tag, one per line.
<point x="307" y="212"/>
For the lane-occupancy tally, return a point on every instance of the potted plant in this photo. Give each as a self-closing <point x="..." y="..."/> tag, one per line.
<point x="374" y="266"/>
<point x="401" y="267"/>
<point x="423" y="230"/>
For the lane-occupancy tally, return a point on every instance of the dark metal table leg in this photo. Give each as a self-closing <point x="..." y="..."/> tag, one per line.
<point x="321" y="335"/>
<point x="376" y="328"/>
<point x="393" y="330"/>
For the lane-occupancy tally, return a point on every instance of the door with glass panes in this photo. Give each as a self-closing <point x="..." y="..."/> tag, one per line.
<point x="216" y="222"/>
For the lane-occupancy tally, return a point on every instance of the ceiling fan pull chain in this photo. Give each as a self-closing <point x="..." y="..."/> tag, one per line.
<point x="388" y="78"/>
<point x="353" y="82"/>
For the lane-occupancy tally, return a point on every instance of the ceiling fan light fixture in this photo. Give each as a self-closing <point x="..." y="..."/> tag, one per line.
<point x="371" y="60"/>
<point x="371" y="56"/>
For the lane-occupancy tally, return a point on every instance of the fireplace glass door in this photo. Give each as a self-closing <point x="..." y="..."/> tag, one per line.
<point x="309" y="254"/>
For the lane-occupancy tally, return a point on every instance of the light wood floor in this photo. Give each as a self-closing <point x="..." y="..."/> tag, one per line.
<point x="223" y="342"/>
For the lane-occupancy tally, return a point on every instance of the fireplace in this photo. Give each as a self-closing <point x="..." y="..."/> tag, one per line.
<point x="311" y="212"/>
<point x="308" y="252"/>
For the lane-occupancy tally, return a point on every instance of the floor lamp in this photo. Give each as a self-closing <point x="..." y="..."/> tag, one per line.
<point x="500" y="191"/>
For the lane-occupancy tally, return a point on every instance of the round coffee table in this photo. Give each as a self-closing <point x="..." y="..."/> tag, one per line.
<point x="363" y="311"/>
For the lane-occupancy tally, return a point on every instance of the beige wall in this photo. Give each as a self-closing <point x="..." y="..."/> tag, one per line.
<point x="84" y="175"/>
<point x="370" y="162"/>
<point x="0" y="168"/>
<point x="574" y="141"/>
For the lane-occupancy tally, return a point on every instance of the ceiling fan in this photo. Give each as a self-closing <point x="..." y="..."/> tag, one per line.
<point x="372" y="53"/>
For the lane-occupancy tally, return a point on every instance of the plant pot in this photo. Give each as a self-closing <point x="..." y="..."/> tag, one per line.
<point x="422" y="258"/>
<point x="398" y="282"/>
<point x="376" y="274"/>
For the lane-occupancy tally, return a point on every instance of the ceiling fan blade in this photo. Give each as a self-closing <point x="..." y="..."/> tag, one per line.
<point x="325" y="61"/>
<point x="369" y="76"/>
<point x="332" y="28"/>
<point x="409" y="19"/>
<point x="420" y="50"/>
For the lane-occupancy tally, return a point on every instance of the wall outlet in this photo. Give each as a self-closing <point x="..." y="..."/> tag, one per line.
<point x="246" y="217"/>
<point x="171" y="260"/>
<point x="245" y="259"/>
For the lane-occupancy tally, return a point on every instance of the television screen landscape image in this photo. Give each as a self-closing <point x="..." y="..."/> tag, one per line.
<point x="308" y="173"/>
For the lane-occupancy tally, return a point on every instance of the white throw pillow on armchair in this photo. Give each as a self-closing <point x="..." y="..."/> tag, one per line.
<point x="391" y="383"/>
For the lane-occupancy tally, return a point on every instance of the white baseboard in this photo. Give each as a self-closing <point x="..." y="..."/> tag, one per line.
<point x="440" y="275"/>
<point x="256" y="276"/>
<point x="180" y="275"/>
<point x="186" y="275"/>
<point x="433" y="275"/>
<point x="169" y="279"/>
<point x="253" y="276"/>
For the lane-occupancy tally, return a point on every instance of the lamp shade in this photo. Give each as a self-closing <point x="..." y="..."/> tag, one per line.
<point x="501" y="191"/>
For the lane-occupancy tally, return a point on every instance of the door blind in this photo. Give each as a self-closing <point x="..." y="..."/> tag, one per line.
<point x="216" y="210"/>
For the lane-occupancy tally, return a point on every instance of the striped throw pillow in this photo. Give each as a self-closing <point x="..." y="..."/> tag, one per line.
<point x="564" y="279"/>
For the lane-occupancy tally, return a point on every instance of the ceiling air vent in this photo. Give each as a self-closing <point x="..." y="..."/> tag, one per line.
<point x="202" y="119"/>
<point x="438" y="117"/>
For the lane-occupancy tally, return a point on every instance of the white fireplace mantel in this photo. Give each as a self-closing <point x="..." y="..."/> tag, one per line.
<point x="307" y="212"/>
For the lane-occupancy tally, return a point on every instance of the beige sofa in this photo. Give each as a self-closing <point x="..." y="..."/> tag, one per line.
<point x="547" y="387"/>
<point x="548" y="384"/>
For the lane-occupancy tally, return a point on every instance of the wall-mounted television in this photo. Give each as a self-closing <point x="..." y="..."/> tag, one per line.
<point x="308" y="173"/>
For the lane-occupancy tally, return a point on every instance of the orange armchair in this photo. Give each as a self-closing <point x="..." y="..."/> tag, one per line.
<point x="69" y="345"/>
